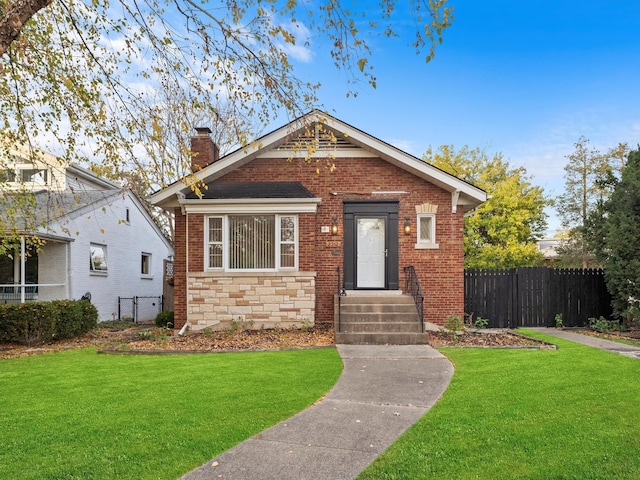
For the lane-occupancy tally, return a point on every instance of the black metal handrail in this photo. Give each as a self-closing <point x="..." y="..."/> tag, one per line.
<point x="341" y="292"/>
<point x="339" y="297"/>
<point x="412" y="286"/>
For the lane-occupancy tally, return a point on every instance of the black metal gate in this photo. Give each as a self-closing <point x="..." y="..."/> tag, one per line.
<point x="139" y="309"/>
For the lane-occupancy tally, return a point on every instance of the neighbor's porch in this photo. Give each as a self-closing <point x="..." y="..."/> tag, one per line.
<point x="30" y="273"/>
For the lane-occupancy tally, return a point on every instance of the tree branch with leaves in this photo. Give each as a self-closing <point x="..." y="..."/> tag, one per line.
<point x="590" y="176"/>
<point x="98" y="82"/>
<point x="502" y="232"/>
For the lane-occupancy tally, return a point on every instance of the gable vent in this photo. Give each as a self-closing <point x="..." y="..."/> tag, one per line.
<point x="319" y="138"/>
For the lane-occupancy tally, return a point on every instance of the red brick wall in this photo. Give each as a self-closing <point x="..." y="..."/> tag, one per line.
<point x="179" y="271"/>
<point x="195" y="242"/>
<point x="441" y="271"/>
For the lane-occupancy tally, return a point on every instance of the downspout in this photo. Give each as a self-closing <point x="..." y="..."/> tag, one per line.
<point x="183" y="329"/>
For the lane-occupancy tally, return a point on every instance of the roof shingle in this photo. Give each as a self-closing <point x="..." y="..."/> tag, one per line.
<point x="235" y="190"/>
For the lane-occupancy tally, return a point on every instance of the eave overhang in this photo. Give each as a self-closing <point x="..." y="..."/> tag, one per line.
<point x="463" y="194"/>
<point x="248" y="205"/>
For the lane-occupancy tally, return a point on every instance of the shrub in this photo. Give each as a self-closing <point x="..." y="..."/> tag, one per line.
<point x="38" y="322"/>
<point x="165" y="319"/>
<point x="481" y="323"/>
<point x="478" y="323"/>
<point x="453" y="324"/>
<point x="559" y="321"/>
<point x="603" y="325"/>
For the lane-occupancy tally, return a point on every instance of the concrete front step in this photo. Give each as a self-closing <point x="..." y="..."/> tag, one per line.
<point x="388" y="317"/>
<point x="378" y="307"/>
<point x="376" y="299"/>
<point x="379" y="320"/>
<point x="380" y="326"/>
<point x="389" y="338"/>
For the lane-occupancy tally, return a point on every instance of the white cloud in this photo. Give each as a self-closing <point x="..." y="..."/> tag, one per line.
<point x="301" y="50"/>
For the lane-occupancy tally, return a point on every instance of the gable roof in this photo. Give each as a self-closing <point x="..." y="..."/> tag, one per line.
<point x="35" y="213"/>
<point x="79" y="173"/>
<point x="345" y="140"/>
<point x="29" y="210"/>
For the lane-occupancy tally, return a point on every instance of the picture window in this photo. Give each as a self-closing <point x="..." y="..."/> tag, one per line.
<point x="252" y="242"/>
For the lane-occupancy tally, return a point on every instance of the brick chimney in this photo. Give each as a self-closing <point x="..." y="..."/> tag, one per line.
<point x="203" y="150"/>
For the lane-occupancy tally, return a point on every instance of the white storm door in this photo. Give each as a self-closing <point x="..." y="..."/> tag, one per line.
<point x="371" y="252"/>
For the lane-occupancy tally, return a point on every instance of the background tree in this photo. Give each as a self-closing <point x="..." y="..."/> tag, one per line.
<point x="85" y="73"/>
<point x="100" y="82"/>
<point x="169" y="162"/>
<point x="622" y="240"/>
<point x="589" y="177"/>
<point x="503" y="231"/>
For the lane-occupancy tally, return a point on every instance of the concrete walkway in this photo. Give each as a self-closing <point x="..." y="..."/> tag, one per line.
<point x="383" y="390"/>
<point x="615" y="347"/>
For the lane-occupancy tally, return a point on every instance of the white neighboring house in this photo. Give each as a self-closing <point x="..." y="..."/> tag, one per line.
<point x="549" y="247"/>
<point x="98" y="239"/>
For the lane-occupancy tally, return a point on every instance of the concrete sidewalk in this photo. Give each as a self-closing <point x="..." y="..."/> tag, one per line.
<point x="383" y="390"/>
<point x="615" y="347"/>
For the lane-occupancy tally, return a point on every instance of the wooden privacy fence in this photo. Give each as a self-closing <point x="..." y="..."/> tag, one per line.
<point x="533" y="296"/>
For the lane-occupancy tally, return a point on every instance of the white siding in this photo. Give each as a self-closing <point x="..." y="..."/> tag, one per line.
<point x="125" y="243"/>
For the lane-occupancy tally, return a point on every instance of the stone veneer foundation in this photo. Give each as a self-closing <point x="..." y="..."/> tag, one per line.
<point x="257" y="300"/>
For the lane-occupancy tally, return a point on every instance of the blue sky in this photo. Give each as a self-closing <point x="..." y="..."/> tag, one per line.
<point x="519" y="77"/>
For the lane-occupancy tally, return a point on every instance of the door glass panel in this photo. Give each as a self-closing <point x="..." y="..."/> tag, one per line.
<point x="371" y="252"/>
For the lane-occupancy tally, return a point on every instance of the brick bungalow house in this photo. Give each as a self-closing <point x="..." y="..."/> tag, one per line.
<point x="311" y="209"/>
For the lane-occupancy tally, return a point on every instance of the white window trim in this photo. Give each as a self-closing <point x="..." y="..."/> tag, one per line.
<point x="279" y="243"/>
<point x="225" y="244"/>
<point x="420" y="244"/>
<point x="150" y="265"/>
<point x="17" y="171"/>
<point x="92" y="271"/>
<point x="207" y="244"/>
<point x="249" y="206"/>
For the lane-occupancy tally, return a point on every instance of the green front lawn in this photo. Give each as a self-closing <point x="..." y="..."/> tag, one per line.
<point x="542" y="414"/>
<point x="81" y="415"/>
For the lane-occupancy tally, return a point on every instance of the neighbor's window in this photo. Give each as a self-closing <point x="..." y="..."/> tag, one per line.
<point x="32" y="175"/>
<point x="252" y="242"/>
<point x="427" y="230"/>
<point x="145" y="264"/>
<point x="98" y="258"/>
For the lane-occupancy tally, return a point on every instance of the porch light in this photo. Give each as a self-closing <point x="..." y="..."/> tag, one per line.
<point x="407" y="226"/>
<point x="334" y="225"/>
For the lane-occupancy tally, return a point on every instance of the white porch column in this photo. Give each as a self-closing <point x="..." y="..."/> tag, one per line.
<point x="23" y="264"/>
